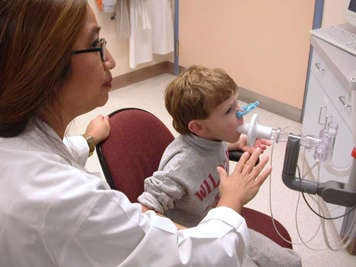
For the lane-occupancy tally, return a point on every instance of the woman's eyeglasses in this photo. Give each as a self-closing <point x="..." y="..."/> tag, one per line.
<point x="101" y="46"/>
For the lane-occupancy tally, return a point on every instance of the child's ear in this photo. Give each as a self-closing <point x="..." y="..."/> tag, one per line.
<point x="195" y="126"/>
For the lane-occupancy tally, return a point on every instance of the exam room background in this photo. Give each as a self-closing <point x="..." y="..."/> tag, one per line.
<point x="263" y="45"/>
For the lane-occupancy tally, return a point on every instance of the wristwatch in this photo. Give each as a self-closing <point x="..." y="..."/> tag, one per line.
<point x="91" y="143"/>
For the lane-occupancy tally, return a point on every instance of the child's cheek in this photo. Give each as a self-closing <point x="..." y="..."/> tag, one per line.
<point x="240" y="121"/>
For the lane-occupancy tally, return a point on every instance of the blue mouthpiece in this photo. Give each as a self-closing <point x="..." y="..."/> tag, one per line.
<point x="246" y="109"/>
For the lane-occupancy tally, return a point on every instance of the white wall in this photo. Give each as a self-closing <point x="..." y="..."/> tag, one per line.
<point x="263" y="45"/>
<point x="334" y="12"/>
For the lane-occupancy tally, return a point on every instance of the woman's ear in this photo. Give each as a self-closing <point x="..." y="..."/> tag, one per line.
<point x="195" y="126"/>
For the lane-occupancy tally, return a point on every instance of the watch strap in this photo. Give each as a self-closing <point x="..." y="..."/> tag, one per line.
<point x="91" y="143"/>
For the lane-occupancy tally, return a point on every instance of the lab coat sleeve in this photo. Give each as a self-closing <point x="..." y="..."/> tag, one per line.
<point x="117" y="233"/>
<point x="78" y="147"/>
<point x="221" y="239"/>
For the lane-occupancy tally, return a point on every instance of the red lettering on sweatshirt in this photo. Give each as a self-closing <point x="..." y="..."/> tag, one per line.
<point x="213" y="182"/>
<point x="206" y="187"/>
<point x="201" y="194"/>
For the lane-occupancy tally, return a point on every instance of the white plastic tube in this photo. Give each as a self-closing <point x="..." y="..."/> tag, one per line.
<point x="254" y="130"/>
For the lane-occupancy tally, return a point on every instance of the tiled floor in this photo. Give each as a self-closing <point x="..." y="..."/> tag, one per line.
<point x="273" y="196"/>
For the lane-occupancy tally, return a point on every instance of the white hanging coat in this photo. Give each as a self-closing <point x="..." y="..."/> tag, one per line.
<point x="140" y="34"/>
<point x="151" y="30"/>
<point x="161" y="15"/>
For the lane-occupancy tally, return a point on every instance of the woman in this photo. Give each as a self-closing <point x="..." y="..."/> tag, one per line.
<point x="54" y="67"/>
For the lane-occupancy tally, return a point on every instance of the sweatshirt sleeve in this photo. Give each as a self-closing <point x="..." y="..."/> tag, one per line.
<point x="160" y="191"/>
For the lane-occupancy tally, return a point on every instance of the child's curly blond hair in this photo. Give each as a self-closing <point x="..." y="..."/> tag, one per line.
<point x="195" y="93"/>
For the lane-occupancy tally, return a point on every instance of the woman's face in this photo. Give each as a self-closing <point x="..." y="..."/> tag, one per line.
<point x="89" y="80"/>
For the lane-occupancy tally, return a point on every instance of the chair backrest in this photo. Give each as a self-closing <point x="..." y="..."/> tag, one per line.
<point x="133" y="150"/>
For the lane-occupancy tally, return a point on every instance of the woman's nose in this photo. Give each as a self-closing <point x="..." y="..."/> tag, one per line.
<point x="109" y="62"/>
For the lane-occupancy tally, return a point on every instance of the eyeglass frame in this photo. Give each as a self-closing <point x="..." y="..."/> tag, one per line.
<point x="102" y="42"/>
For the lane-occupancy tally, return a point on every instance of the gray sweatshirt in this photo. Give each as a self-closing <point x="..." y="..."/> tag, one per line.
<point x="186" y="185"/>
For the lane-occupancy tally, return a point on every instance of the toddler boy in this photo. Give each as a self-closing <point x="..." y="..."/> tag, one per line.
<point x="203" y="105"/>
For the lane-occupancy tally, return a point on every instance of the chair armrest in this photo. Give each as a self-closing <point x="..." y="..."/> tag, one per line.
<point x="235" y="155"/>
<point x="263" y="223"/>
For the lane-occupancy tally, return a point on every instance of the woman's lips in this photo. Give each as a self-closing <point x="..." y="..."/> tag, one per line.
<point x="108" y="83"/>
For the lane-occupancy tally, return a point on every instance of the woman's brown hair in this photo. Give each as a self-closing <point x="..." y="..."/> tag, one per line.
<point x="36" y="42"/>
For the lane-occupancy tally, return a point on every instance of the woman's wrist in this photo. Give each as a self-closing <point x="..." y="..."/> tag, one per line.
<point x="91" y="143"/>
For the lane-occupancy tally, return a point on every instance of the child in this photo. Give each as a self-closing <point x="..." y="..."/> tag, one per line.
<point x="203" y="105"/>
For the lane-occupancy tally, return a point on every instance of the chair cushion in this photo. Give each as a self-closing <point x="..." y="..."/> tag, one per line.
<point x="263" y="223"/>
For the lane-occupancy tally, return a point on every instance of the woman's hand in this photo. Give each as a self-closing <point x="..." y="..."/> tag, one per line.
<point x="244" y="182"/>
<point x="98" y="128"/>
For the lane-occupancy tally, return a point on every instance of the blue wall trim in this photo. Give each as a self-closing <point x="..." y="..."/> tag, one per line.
<point x="318" y="13"/>
<point x="176" y="37"/>
<point x="317" y="19"/>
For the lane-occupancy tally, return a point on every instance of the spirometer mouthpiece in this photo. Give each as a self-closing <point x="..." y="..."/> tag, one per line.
<point x="246" y="109"/>
<point x="254" y="130"/>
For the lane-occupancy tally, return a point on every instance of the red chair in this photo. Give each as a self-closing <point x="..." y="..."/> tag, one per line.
<point x="133" y="151"/>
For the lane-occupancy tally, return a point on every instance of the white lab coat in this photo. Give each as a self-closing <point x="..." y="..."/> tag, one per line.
<point x="55" y="213"/>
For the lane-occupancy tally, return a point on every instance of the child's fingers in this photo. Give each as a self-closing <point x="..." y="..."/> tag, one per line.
<point x="263" y="176"/>
<point x="242" y="161"/>
<point x="251" y="162"/>
<point x="259" y="167"/>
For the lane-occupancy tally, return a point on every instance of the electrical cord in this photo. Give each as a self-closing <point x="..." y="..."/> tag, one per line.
<point x="348" y="237"/>
<point x="327" y="218"/>
<point x="303" y="242"/>
<point x="346" y="241"/>
<point x="315" y="212"/>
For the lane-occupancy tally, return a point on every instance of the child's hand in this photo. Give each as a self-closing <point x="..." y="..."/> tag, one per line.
<point x="242" y="144"/>
<point x="243" y="183"/>
<point x="262" y="143"/>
